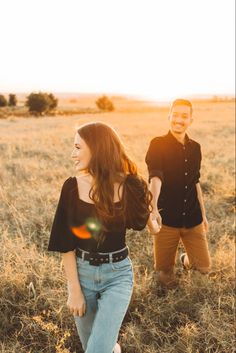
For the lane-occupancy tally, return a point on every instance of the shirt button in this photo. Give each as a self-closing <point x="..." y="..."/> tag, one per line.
<point x="186" y="173"/>
<point x="183" y="213"/>
<point x="185" y="200"/>
<point x="186" y="160"/>
<point x="186" y="186"/>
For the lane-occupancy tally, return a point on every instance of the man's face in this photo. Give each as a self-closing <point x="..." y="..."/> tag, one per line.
<point x="180" y="118"/>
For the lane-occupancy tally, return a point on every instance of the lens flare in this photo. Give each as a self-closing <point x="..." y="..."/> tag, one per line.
<point x="90" y="229"/>
<point x="81" y="232"/>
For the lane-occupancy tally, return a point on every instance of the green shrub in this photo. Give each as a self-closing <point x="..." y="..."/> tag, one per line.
<point x="105" y="104"/>
<point x="53" y="101"/>
<point x="3" y="101"/>
<point x="39" y="103"/>
<point x="12" y="101"/>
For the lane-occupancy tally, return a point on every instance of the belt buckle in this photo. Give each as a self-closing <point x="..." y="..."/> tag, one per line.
<point x="93" y="260"/>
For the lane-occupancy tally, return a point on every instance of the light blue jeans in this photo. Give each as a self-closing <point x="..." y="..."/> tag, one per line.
<point x="107" y="289"/>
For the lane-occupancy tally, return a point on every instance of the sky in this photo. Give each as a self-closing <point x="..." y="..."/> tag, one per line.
<point x="154" y="49"/>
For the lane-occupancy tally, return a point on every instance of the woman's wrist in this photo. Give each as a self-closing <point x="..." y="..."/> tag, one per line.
<point x="75" y="286"/>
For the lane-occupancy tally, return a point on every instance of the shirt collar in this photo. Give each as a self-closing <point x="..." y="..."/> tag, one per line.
<point x="173" y="139"/>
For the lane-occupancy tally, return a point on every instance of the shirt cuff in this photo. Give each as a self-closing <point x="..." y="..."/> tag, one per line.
<point x="155" y="173"/>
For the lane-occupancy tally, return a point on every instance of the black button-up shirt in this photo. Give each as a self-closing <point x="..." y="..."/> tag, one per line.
<point x="178" y="167"/>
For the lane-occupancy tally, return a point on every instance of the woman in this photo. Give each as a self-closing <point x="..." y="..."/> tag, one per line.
<point x="94" y="210"/>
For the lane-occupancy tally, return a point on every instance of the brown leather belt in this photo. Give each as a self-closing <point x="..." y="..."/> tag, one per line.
<point x="96" y="259"/>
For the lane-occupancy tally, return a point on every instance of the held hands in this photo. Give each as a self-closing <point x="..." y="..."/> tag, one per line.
<point x="157" y="216"/>
<point x="154" y="222"/>
<point x="76" y="302"/>
<point x="205" y="224"/>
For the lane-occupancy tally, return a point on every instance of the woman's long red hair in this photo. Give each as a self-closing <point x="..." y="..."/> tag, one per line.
<point x="109" y="164"/>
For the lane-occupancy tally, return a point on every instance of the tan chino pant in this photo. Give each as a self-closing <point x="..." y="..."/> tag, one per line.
<point x="194" y="241"/>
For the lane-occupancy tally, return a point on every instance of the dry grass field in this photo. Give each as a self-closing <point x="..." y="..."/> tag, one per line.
<point x="197" y="317"/>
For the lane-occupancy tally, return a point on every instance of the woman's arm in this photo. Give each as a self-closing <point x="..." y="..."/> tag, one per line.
<point x="76" y="302"/>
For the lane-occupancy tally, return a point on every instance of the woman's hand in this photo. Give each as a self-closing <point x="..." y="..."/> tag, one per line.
<point x="76" y="302"/>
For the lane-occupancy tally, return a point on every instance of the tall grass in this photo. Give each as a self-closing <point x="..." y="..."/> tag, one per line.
<point x="196" y="317"/>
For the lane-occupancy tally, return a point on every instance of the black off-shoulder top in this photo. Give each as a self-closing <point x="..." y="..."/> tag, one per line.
<point x="73" y="213"/>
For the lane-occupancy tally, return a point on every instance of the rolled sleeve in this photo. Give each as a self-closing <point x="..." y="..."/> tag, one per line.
<point x="154" y="160"/>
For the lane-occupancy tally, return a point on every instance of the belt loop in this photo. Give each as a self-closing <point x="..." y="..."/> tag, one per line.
<point x="83" y="254"/>
<point x="110" y="257"/>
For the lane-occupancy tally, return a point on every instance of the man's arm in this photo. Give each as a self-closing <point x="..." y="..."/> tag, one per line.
<point x="154" y="161"/>
<point x="155" y="188"/>
<point x="200" y="199"/>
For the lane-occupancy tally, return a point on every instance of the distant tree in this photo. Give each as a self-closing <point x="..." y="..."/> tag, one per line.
<point x="39" y="103"/>
<point x="12" y="101"/>
<point x="3" y="101"/>
<point x="53" y="101"/>
<point x="105" y="104"/>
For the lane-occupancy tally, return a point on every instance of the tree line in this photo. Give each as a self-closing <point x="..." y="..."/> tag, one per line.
<point x="11" y="102"/>
<point x="41" y="103"/>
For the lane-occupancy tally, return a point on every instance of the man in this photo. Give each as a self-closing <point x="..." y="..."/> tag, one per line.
<point x="174" y="162"/>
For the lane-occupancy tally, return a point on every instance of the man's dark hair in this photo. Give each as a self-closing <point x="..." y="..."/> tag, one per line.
<point x="181" y="101"/>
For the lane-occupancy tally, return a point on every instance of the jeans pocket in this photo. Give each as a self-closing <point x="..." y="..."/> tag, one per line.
<point x="83" y="266"/>
<point x="122" y="265"/>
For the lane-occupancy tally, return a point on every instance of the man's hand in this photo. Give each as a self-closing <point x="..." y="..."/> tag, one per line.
<point x="205" y="224"/>
<point x="76" y="302"/>
<point x="155" y="215"/>
<point x="154" y="222"/>
<point x="153" y="227"/>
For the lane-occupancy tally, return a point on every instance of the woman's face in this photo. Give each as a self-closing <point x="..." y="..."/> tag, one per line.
<point x="81" y="153"/>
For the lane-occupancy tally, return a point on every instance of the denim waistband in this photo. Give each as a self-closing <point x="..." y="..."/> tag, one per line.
<point x="98" y="258"/>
